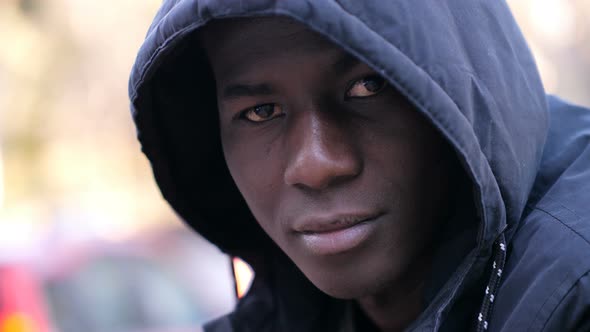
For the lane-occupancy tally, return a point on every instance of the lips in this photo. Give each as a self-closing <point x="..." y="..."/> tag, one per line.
<point x="334" y="222"/>
<point x="336" y="233"/>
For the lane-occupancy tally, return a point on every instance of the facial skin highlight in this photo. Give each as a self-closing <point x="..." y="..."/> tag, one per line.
<point x="337" y="167"/>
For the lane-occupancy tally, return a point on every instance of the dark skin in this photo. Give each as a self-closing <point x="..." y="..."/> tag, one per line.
<point x="337" y="167"/>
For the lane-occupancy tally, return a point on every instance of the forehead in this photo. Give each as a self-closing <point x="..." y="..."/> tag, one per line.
<point x="236" y="44"/>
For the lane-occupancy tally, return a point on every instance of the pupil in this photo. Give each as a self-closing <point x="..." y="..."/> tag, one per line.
<point x="373" y="84"/>
<point x="264" y="111"/>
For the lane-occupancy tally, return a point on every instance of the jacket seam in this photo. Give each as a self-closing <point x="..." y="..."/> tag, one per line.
<point x="564" y="223"/>
<point x="571" y="288"/>
<point x="145" y="68"/>
<point x="564" y="281"/>
<point x="547" y="299"/>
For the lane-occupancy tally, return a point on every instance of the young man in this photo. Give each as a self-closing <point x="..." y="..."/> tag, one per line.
<point x="383" y="166"/>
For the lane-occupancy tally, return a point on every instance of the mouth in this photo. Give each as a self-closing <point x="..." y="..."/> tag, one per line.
<point x="338" y="233"/>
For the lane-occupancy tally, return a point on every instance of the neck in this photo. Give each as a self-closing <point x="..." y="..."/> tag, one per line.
<point x="394" y="308"/>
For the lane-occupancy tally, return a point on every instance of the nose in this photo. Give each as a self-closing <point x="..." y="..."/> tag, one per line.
<point x="322" y="153"/>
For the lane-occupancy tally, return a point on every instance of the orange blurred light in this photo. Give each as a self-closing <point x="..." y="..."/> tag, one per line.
<point x="18" y="322"/>
<point x="21" y="301"/>
<point x="243" y="275"/>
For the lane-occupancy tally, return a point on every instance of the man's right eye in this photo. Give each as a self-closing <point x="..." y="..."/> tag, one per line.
<point x="262" y="113"/>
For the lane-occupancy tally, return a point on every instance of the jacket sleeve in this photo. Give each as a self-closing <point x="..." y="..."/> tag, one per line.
<point x="573" y="311"/>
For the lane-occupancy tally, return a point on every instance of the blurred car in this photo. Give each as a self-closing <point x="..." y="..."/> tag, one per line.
<point x="166" y="281"/>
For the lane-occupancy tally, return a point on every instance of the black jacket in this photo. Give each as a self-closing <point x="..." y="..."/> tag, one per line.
<point x="518" y="259"/>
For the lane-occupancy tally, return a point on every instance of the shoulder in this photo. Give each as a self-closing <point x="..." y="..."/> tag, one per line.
<point x="546" y="280"/>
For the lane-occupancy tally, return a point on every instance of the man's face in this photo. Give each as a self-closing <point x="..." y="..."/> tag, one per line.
<point x="338" y="169"/>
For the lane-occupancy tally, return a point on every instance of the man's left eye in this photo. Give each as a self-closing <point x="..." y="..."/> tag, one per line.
<point x="366" y="87"/>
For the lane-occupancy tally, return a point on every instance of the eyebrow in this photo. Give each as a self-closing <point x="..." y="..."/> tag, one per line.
<point x="345" y="63"/>
<point x="247" y="90"/>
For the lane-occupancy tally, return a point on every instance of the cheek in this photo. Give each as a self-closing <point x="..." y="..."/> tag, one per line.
<point x="258" y="179"/>
<point x="414" y="163"/>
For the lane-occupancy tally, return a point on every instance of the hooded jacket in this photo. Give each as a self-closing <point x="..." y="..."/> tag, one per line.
<point x="517" y="259"/>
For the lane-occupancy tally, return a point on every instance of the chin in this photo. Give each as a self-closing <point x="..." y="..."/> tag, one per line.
<point x="343" y="292"/>
<point x="349" y="281"/>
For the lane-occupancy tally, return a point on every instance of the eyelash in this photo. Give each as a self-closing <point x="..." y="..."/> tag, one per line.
<point x="383" y="84"/>
<point x="243" y="115"/>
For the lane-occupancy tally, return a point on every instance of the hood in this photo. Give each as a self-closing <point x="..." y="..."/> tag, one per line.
<point x="464" y="65"/>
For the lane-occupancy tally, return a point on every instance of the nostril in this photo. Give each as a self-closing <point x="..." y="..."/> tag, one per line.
<point x="319" y="171"/>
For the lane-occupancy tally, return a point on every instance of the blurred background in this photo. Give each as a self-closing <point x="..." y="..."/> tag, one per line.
<point x="86" y="241"/>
